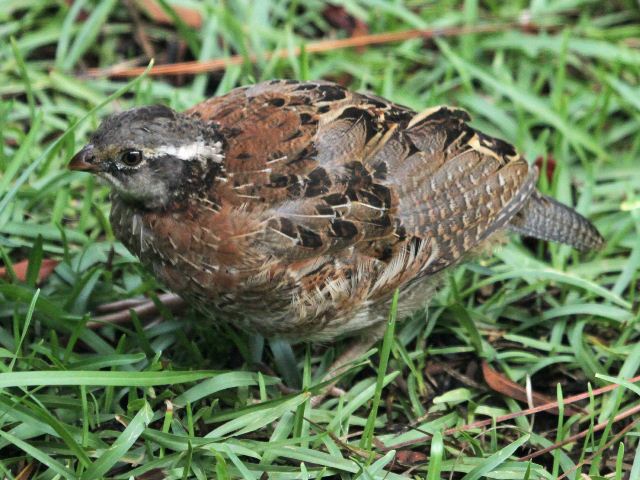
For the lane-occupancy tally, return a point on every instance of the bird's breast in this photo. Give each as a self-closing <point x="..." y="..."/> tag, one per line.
<point x="207" y="252"/>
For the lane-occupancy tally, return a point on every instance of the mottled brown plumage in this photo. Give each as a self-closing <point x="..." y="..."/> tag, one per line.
<point x="296" y="209"/>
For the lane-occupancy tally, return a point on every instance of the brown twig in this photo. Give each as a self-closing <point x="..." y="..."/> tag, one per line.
<point x="511" y="416"/>
<point x="461" y="377"/>
<point x="195" y="67"/>
<point x="615" y="438"/>
<point x="364" y="454"/>
<point x="170" y="300"/>
<point x="584" y="433"/>
<point x="121" y="305"/>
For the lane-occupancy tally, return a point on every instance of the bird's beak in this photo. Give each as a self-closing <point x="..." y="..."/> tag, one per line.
<point x="84" y="160"/>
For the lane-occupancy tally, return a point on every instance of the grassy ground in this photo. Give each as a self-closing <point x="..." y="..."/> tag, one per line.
<point x="173" y="396"/>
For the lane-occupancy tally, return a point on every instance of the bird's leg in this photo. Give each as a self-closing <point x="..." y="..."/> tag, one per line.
<point x="354" y="351"/>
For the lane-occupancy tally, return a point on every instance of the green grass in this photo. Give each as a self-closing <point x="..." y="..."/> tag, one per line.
<point x="180" y="397"/>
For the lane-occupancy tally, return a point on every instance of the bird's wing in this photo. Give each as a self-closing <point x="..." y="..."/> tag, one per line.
<point x="335" y="173"/>
<point x="460" y="186"/>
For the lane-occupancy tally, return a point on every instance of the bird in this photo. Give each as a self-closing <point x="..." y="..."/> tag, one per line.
<point x="296" y="209"/>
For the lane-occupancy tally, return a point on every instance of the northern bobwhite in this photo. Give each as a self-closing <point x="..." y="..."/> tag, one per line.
<point x="295" y="209"/>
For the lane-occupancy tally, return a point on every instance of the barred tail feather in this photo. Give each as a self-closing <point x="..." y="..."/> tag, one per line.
<point x="544" y="218"/>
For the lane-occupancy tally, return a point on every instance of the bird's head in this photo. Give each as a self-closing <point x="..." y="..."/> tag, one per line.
<point x="153" y="156"/>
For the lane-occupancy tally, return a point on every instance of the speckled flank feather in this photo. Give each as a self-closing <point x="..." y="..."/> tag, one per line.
<point x="326" y="201"/>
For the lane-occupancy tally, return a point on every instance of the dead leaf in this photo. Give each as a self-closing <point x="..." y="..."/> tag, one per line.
<point x="409" y="457"/>
<point x="508" y="388"/>
<point x="46" y="268"/>
<point x="153" y="474"/>
<point x="25" y="473"/>
<point x="189" y="16"/>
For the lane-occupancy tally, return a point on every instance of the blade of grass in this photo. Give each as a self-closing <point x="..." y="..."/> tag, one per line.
<point x="27" y="322"/>
<point x="387" y="342"/>
<point x="36" y="378"/>
<point x="88" y="33"/>
<point x="185" y="31"/>
<point x="66" y="30"/>
<point x="39" y="455"/>
<point x="218" y="383"/>
<point x="527" y="100"/>
<point x="22" y="68"/>
<point x="122" y="444"/>
<point x="436" y="456"/>
<point x="495" y="460"/>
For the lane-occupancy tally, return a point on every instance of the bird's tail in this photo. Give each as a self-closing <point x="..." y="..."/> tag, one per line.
<point x="544" y="218"/>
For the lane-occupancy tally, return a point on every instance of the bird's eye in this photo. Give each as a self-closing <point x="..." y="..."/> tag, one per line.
<point x="131" y="158"/>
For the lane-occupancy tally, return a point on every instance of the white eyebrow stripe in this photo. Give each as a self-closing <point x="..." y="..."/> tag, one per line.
<point x="191" y="151"/>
